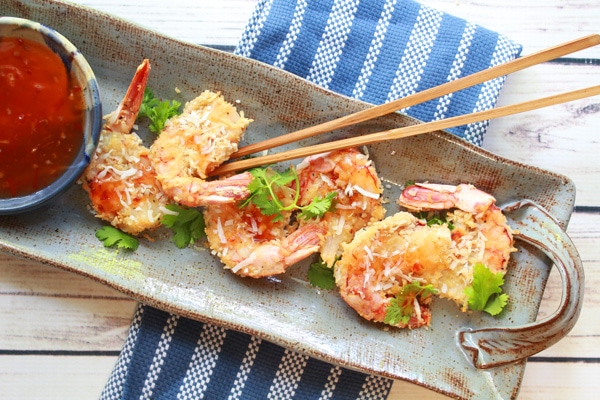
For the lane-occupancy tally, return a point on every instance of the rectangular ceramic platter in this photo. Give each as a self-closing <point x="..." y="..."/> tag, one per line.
<point x="285" y="310"/>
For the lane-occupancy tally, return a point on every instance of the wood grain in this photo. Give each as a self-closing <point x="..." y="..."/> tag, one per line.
<point x="60" y="333"/>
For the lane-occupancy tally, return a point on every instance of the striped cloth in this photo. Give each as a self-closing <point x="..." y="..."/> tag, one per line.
<point x="381" y="50"/>
<point x="170" y="357"/>
<point x="373" y="50"/>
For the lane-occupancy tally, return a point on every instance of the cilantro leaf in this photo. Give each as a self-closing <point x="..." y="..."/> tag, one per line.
<point x="266" y="182"/>
<point x="496" y="304"/>
<point x="321" y="276"/>
<point x="485" y="293"/>
<point x="402" y="307"/>
<point x="395" y="313"/>
<point x="319" y="206"/>
<point x="157" y="111"/>
<point x="187" y="225"/>
<point x="285" y="177"/>
<point x="111" y="237"/>
<point x="433" y="218"/>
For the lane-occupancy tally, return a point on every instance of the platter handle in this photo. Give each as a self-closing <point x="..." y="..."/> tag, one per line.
<point x="493" y="347"/>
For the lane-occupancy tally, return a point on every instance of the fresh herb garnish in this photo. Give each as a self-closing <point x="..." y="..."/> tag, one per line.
<point x="321" y="276"/>
<point x="485" y="293"/>
<point x="432" y="218"/>
<point x="266" y="182"/>
<point x="158" y="111"/>
<point x="187" y="225"/>
<point x="402" y="307"/>
<point x="111" y="237"/>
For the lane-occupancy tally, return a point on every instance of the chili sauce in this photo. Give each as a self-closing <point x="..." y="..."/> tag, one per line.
<point x="41" y="117"/>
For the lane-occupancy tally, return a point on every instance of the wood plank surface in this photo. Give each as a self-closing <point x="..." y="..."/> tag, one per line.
<point x="60" y="333"/>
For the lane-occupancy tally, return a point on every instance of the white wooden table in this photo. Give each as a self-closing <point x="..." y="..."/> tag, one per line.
<point x="60" y="334"/>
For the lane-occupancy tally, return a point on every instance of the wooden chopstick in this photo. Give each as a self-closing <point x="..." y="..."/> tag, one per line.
<point x="426" y="95"/>
<point x="409" y="130"/>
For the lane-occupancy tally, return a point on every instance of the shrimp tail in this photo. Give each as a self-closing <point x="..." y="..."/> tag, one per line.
<point x="194" y="192"/>
<point x="303" y="242"/>
<point x="424" y="196"/>
<point x="275" y="258"/>
<point x="123" y="118"/>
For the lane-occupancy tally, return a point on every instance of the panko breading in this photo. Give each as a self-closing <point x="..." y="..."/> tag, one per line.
<point x="388" y="255"/>
<point x="120" y="180"/>
<point x="193" y="144"/>
<point x="252" y="244"/>
<point x="358" y="201"/>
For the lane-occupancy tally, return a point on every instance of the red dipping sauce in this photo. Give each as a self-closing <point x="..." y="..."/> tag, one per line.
<point x="41" y="117"/>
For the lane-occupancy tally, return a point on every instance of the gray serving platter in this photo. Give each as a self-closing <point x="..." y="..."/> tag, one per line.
<point x="287" y="310"/>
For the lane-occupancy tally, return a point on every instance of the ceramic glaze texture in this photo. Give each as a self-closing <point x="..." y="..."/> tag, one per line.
<point x="286" y="310"/>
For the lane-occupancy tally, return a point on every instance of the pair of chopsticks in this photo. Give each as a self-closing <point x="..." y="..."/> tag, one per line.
<point x="426" y="95"/>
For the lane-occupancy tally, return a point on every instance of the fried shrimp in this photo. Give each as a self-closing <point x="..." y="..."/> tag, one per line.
<point x="401" y="249"/>
<point x="193" y="144"/>
<point x="255" y="245"/>
<point x="377" y="264"/>
<point x="479" y="224"/>
<point x="358" y="201"/>
<point x="120" y="179"/>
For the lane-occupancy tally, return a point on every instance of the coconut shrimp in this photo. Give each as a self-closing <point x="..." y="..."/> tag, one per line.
<point x="359" y="196"/>
<point x="193" y="144"/>
<point x="480" y="234"/>
<point x="402" y="249"/>
<point x="379" y="262"/>
<point x="479" y="224"/>
<point x="120" y="179"/>
<point x="255" y="245"/>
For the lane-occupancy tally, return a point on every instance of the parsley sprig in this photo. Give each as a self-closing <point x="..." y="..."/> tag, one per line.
<point x="321" y="276"/>
<point x="485" y="293"/>
<point x="187" y="225"/>
<point x="113" y="237"/>
<point x="266" y="182"/>
<point x="401" y="307"/>
<point x="157" y="110"/>
<point x="433" y="218"/>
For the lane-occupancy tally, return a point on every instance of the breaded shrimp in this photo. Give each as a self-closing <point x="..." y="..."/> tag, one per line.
<point x="120" y="179"/>
<point x="193" y="144"/>
<point x="476" y="218"/>
<point x="388" y="255"/>
<point x="359" y="196"/>
<point x="255" y="245"/>
<point x="379" y="262"/>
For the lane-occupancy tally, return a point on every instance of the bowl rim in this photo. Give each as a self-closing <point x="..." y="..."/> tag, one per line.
<point x="78" y="68"/>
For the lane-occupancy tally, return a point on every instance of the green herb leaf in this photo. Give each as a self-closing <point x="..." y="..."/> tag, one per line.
<point x="401" y="307"/>
<point x="318" y="207"/>
<point x="434" y="218"/>
<point x="111" y="237"/>
<point x="157" y="111"/>
<point x="262" y="189"/>
<point x="187" y="225"/>
<point x="266" y="182"/>
<point x="485" y="293"/>
<point x="321" y="276"/>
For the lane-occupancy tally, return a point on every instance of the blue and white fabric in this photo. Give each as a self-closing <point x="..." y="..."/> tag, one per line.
<point x="381" y="50"/>
<point x="170" y="357"/>
<point x="373" y="50"/>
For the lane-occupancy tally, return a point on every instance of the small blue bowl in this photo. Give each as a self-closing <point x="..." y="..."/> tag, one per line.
<point x="80" y="70"/>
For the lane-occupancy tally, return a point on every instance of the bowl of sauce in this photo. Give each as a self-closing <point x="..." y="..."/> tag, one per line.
<point x="50" y="115"/>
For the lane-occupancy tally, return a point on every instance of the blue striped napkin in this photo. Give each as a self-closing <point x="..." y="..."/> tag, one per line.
<point x="381" y="50"/>
<point x="373" y="50"/>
